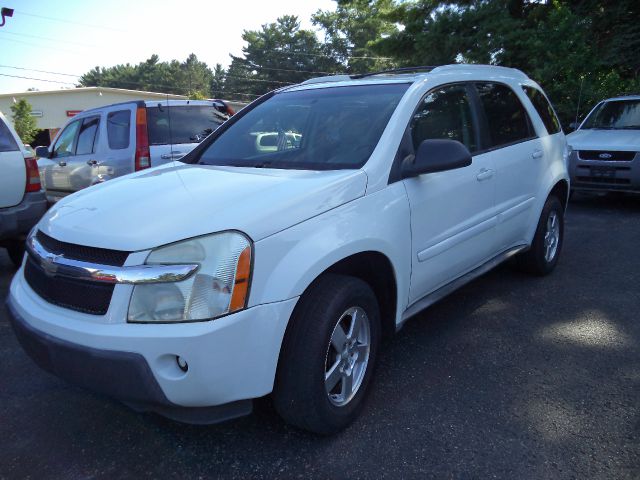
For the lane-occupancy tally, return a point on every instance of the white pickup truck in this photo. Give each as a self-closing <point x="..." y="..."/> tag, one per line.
<point x="192" y="288"/>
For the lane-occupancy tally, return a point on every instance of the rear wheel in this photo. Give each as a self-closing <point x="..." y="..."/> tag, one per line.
<point x="543" y="255"/>
<point x="328" y="355"/>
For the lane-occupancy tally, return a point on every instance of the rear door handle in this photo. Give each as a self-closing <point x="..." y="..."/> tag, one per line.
<point x="92" y="163"/>
<point x="62" y="163"/>
<point x="537" y="154"/>
<point x="173" y="155"/>
<point x="484" y="174"/>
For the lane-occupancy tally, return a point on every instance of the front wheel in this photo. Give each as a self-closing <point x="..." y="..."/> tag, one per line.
<point x="543" y="255"/>
<point x="328" y="355"/>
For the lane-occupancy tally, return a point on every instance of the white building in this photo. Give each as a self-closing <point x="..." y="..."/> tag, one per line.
<point x="52" y="108"/>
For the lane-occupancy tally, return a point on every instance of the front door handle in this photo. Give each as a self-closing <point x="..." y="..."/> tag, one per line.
<point x="92" y="163"/>
<point x="484" y="174"/>
<point x="62" y="163"/>
<point x="537" y="154"/>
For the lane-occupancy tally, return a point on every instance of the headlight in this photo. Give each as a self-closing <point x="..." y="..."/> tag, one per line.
<point x="220" y="285"/>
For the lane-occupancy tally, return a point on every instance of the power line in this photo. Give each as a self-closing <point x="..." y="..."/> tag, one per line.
<point x="49" y="39"/>
<point x="121" y="82"/>
<point x="321" y="55"/>
<point x="57" y="49"/>
<point x="37" y="79"/>
<point x="41" y="71"/>
<point x="125" y="81"/>
<point x="64" y="20"/>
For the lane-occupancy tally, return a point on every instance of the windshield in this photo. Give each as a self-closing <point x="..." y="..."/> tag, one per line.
<point x="182" y="123"/>
<point x="318" y="129"/>
<point x="615" y="114"/>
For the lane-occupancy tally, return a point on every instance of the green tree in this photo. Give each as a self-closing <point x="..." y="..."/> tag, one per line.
<point x="352" y="28"/>
<point x="567" y="46"/>
<point x="191" y="77"/>
<point x="23" y="122"/>
<point x="279" y="54"/>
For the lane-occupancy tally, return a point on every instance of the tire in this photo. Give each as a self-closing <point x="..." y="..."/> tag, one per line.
<point x="542" y="257"/>
<point x="301" y="395"/>
<point x="15" y="250"/>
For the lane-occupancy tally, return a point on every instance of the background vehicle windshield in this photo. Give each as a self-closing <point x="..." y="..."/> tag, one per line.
<point x="616" y="114"/>
<point x="182" y="123"/>
<point x="319" y="129"/>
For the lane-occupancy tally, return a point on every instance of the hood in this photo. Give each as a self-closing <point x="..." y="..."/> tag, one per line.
<point x="174" y="202"/>
<point x="616" y="140"/>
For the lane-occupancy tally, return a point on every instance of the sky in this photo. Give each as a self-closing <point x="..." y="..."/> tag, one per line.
<point x="71" y="37"/>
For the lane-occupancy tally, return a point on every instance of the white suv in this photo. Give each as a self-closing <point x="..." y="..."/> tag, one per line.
<point x="191" y="288"/>
<point x="22" y="201"/>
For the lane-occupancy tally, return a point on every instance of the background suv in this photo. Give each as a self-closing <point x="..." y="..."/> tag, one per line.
<point x="192" y="288"/>
<point x="605" y="149"/>
<point x="107" y="142"/>
<point x="22" y="202"/>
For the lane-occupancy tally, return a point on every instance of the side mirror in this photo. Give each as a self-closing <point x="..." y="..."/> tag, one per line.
<point x="42" y="152"/>
<point x="573" y="126"/>
<point x="436" y="156"/>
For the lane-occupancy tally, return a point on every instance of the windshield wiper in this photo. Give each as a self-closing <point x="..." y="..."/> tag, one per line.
<point x="630" y="127"/>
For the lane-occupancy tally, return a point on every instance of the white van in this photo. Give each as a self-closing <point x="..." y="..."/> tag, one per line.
<point x="107" y="142"/>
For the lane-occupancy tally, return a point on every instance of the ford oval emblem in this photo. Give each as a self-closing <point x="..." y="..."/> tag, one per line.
<point x="605" y="156"/>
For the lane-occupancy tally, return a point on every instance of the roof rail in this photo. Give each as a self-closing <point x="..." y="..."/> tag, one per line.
<point x="328" y="78"/>
<point x="424" y="68"/>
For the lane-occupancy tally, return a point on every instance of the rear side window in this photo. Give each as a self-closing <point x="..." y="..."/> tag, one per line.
<point x="445" y="113"/>
<point x="182" y="123"/>
<point x="507" y="119"/>
<point x="87" y="135"/>
<point x="7" y="142"/>
<point x="544" y="109"/>
<point x="118" y="129"/>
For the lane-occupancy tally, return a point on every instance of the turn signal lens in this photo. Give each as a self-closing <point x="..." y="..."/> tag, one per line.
<point x="241" y="283"/>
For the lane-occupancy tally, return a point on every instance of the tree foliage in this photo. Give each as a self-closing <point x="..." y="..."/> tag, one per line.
<point x="23" y="122"/>
<point x="191" y="77"/>
<point x="573" y="48"/>
<point x="567" y="46"/>
<point x="279" y="54"/>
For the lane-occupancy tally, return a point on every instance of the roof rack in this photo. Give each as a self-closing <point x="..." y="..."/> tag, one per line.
<point x="424" y="68"/>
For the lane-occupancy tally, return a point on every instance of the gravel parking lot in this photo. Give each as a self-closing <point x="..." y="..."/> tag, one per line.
<point x="510" y="377"/>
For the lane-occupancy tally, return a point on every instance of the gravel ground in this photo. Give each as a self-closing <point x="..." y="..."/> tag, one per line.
<point x="510" y="377"/>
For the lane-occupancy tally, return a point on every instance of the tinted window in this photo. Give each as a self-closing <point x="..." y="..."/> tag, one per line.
<point x="445" y="113"/>
<point x="615" y="114"/>
<point x="66" y="143"/>
<point x="316" y="129"/>
<point x="87" y="135"/>
<point x="118" y="129"/>
<point x="189" y="123"/>
<point x="544" y="109"/>
<point x="507" y="119"/>
<point x="7" y="143"/>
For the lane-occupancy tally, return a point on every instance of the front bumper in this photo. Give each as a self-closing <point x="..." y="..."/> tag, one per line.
<point x="230" y="360"/>
<point x="18" y="220"/>
<point x="604" y="175"/>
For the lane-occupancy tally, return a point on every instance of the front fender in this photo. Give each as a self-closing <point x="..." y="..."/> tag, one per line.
<point x="287" y="262"/>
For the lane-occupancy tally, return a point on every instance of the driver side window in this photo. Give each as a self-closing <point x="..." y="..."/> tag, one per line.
<point x="66" y="144"/>
<point x="445" y="113"/>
